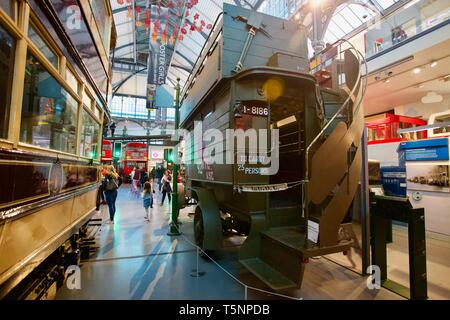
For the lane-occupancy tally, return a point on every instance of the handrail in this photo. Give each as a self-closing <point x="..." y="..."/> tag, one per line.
<point x="361" y="59"/>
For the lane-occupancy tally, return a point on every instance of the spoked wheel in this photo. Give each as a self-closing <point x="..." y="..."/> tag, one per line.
<point x="199" y="231"/>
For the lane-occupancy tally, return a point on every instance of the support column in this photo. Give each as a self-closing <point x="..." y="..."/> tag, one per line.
<point x="173" y="227"/>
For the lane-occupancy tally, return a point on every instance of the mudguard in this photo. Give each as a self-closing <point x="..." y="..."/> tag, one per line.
<point x="211" y="218"/>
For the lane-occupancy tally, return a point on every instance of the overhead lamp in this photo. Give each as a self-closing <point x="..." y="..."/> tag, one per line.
<point x="410" y="4"/>
<point x="416" y="70"/>
<point x="433" y="64"/>
<point x="315" y="3"/>
<point x="432" y="97"/>
<point x="297" y="16"/>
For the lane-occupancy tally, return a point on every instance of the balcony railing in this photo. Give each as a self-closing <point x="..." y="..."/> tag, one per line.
<point x="406" y="24"/>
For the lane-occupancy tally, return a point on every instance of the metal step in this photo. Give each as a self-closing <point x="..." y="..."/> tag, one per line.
<point x="271" y="277"/>
<point x="293" y="239"/>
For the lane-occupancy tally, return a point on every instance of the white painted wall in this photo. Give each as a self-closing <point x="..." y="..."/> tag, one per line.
<point x="386" y="153"/>
<point x="420" y="110"/>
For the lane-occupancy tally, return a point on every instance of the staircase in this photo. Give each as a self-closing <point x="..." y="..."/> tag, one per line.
<point x="329" y="189"/>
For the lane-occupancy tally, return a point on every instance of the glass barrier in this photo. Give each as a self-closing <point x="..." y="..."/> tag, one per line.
<point x="413" y="19"/>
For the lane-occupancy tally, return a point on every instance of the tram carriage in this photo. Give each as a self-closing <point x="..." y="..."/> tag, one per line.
<point x="55" y="80"/>
<point x="254" y="74"/>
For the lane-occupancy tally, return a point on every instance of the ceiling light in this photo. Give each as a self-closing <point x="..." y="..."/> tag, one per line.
<point x="297" y="16"/>
<point x="387" y="80"/>
<point x="432" y="97"/>
<point x="433" y="64"/>
<point x="410" y="4"/>
<point x="416" y="70"/>
<point x="315" y="3"/>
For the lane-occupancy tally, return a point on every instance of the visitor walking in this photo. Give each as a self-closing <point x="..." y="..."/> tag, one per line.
<point x="166" y="187"/>
<point x="147" y="197"/>
<point x="111" y="183"/>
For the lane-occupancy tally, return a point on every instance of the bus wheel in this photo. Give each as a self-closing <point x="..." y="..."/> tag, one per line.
<point x="199" y="231"/>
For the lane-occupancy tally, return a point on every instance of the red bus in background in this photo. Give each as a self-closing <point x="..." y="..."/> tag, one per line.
<point x="135" y="155"/>
<point x="107" y="156"/>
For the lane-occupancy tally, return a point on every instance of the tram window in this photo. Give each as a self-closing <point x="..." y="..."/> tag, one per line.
<point x="7" y="45"/>
<point x="42" y="46"/>
<point x="97" y="111"/>
<point x="87" y="100"/>
<point x="101" y="19"/>
<point x="71" y="80"/>
<point x="89" y="137"/>
<point x="8" y="7"/>
<point x="49" y="113"/>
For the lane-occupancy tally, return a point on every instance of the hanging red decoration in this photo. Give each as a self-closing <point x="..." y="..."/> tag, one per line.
<point x="196" y="16"/>
<point x="180" y="37"/>
<point x="187" y="13"/>
<point x="138" y="18"/>
<point x="147" y="21"/>
<point x="120" y="2"/>
<point x="130" y="12"/>
<point x="209" y="26"/>
<point x="170" y="4"/>
<point x="200" y="29"/>
<point x="203" y="23"/>
<point x="183" y="31"/>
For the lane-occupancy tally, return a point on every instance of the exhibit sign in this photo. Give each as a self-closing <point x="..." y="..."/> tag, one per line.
<point x="426" y="150"/>
<point x="427" y="177"/>
<point x="394" y="181"/>
<point x="157" y="154"/>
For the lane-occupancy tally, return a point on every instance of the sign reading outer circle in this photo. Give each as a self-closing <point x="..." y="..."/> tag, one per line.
<point x="417" y="196"/>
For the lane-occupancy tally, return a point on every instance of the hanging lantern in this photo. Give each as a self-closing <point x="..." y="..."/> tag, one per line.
<point x="209" y="26"/>
<point x="196" y="16"/>
<point x="120" y="2"/>
<point x="130" y="12"/>
<point x="187" y="13"/>
<point x="180" y="37"/>
<point x="183" y="31"/>
<point x="203" y="23"/>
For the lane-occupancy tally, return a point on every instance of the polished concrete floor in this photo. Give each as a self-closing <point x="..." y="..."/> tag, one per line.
<point x="438" y="261"/>
<point x="137" y="260"/>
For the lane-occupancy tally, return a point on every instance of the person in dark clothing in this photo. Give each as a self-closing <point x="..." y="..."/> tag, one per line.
<point x="143" y="178"/>
<point x="111" y="183"/>
<point x="152" y="174"/>
<point x="112" y="127"/>
<point x="166" y="187"/>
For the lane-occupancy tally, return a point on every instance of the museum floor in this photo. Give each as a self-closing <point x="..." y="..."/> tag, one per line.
<point x="137" y="260"/>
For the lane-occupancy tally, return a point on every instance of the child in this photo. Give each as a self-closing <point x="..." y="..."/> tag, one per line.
<point x="147" y="197"/>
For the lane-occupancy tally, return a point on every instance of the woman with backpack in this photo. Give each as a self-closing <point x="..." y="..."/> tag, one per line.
<point x="111" y="183"/>
<point x="166" y="187"/>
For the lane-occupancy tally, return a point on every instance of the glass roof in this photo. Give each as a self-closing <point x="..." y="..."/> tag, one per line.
<point x="133" y="36"/>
